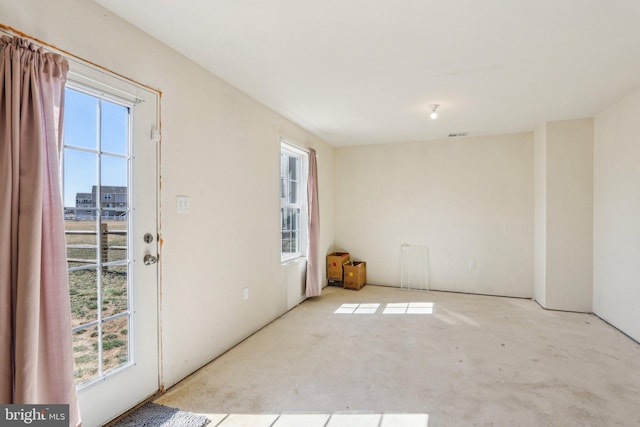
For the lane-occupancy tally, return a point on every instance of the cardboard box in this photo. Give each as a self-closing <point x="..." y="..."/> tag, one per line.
<point x="334" y="265"/>
<point x="355" y="275"/>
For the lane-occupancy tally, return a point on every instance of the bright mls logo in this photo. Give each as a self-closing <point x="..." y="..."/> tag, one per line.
<point x="34" y="415"/>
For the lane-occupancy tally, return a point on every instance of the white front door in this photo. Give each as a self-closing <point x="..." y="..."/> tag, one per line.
<point x="110" y="184"/>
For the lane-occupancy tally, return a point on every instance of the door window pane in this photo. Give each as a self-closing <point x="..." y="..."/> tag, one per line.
<point x="85" y="354"/>
<point x="115" y="297"/>
<point x="115" y="343"/>
<point x="84" y="296"/>
<point x="114" y="239"/>
<point x="81" y="126"/>
<point x="82" y="240"/>
<point x="80" y="177"/>
<point x="114" y="173"/>
<point x="114" y="127"/>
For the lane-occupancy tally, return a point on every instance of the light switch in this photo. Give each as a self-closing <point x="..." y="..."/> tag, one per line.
<point x="182" y="203"/>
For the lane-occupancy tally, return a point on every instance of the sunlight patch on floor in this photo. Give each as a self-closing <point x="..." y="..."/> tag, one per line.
<point x="390" y="308"/>
<point x="357" y="309"/>
<point x="318" y="420"/>
<point x="409" y="308"/>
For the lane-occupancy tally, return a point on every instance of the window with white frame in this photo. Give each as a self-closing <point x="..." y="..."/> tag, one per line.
<point x="293" y="202"/>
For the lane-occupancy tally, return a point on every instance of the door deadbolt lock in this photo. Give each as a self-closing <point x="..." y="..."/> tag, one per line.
<point x="148" y="238"/>
<point x="149" y="259"/>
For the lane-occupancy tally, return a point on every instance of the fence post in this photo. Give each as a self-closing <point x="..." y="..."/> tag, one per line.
<point x="104" y="243"/>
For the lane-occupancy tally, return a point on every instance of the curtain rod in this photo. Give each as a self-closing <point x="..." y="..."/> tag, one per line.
<point x="10" y="31"/>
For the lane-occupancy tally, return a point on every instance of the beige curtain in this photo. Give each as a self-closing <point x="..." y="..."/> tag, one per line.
<point x="314" y="263"/>
<point x="36" y="356"/>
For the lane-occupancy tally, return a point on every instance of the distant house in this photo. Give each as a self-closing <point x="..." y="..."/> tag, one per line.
<point x="113" y="204"/>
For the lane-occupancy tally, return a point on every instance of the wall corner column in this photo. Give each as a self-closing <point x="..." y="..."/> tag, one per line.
<point x="563" y="165"/>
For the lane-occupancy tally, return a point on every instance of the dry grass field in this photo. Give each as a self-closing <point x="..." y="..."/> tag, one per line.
<point x="83" y="289"/>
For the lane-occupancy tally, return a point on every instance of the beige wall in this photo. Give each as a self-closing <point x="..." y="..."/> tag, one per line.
<point x="467" y="199"/>
<point x="564" y="213"/>
<point x="570" y="215"/>
<point x="219" y="147"/>
<point x="540" y="229"/>
<point x="616" y="254"/>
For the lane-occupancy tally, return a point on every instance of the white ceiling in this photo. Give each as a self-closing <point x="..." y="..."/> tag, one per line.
<point x="366" y="71"/>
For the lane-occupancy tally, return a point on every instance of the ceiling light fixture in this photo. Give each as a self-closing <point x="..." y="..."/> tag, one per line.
<point x="434" y="113"/>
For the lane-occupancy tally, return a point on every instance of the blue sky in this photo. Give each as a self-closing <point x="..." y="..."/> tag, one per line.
<point x="82" y="116"/>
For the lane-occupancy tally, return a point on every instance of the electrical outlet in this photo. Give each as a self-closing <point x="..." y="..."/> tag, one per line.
<point x="449" y="263"/>
<point x="245" y="294"/>
<point x="472" y="264"/>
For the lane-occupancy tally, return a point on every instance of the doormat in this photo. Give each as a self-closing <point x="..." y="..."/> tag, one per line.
<point x="153" y="415"/>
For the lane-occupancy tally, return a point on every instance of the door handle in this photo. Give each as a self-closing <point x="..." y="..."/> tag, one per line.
<point x="149" y="259"/>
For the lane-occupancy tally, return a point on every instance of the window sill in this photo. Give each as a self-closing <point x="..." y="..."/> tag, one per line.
<point x="288" y="261"/>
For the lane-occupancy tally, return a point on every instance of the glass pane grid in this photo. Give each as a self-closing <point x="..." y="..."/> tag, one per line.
<point x="290" y="230"/>
<point x="290" y="200"/>
<point x="95" y="190"/>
